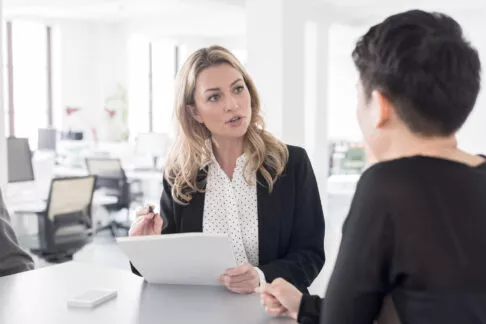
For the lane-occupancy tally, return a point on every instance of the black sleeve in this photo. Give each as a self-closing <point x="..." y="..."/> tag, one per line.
<point x="167" y="214"/>
<point x="12" y="258"/>
<point x="305" y="257"/>
<point x="309" y="310"/>
<point x="360" y="279"/>
<point x="167" y="209"/>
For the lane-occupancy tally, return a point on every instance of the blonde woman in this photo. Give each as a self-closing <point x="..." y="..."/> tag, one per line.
<point x="227" y="175"/>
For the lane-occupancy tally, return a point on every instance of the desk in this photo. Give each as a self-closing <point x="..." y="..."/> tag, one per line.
<point x="40" y="296"/>
<point x="131" y="174"/>
<point x="342" y="184"/>
<point x="37" y="204"/>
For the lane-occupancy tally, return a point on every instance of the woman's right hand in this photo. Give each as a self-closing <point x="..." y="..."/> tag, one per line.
<point x="280" y="297"/>
<point x="146" y="223"/>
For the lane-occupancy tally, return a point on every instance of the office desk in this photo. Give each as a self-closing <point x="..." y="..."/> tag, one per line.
<point x="131" y="173"/>
<point x="38" y="204"/>
<point x="40" y="296"/>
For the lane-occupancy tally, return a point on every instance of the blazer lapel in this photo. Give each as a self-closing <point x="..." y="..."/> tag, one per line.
<point x="267" y="227"/>
<point x="192" y="221"/>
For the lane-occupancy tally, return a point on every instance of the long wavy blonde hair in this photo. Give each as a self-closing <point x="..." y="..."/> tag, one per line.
<point x="190" y="153"/>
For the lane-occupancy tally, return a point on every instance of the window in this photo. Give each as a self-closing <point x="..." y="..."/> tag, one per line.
<point x="163" y="72"/>
<point x="151" y="86"/>
<point x="26" y="70"/>
<point x="138" y="71"/>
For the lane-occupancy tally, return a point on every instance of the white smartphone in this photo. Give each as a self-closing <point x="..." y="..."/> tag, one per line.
<point x="92" y="298"/>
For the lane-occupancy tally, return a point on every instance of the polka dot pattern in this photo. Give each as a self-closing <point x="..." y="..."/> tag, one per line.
<point x="230" y="208"/>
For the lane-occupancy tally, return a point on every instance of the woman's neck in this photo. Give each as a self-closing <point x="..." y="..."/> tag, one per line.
<point x="227" y="151"/>
<point x="440" y="147"/>
<point x="413" y="145"/>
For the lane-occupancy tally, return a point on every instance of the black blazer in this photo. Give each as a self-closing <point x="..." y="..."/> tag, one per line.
<point x="290" y="221"/>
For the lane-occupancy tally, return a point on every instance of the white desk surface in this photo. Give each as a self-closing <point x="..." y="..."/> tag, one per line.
<point x="40" y="296"/>
<point x="131" y="174"/>
<point x="38" y="204"/>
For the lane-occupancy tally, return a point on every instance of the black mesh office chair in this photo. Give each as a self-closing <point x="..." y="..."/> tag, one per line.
<point x="111" y="179"/>
<point x="65" y="226"/>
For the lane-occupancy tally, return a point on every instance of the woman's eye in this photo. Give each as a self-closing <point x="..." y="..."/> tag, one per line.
<point x="239" y="89"/>
<point x="213" y="98"/>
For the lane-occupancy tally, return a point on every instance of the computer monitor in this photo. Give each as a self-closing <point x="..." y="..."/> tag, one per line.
<point x="47" y="139"/>
<point x="72" y="136"/>
<point x="19" y="158"/>
<point x="105" y="167"/>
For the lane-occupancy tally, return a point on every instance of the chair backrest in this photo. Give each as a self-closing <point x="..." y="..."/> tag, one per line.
<point x="110" y="176"/>
<point x="70" y="196"/>
<point x="66" y="225"/>
<point x="105" y="167"/>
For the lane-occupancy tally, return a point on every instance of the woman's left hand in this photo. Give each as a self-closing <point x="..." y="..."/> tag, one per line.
<point x="242" y="279"/>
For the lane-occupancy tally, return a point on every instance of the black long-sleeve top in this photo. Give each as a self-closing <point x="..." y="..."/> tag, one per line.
<point x="416" y="231"/>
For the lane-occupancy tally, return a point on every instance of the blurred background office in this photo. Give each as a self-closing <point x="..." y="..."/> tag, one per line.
<point x="87" y="89"/>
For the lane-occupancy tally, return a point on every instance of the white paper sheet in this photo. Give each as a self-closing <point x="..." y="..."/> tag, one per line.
<point x="187" y="258"/>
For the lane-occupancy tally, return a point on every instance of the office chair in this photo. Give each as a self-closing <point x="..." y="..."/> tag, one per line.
<point x="111" y="179"/>
<point x="65" y="226"/>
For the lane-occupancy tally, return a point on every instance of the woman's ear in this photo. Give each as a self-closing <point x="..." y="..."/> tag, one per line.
<point x="193" y="111"/>
<point x="382" y="109"/>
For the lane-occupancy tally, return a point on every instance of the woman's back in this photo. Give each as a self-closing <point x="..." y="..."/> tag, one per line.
<point x="418" y="226"/>
<point x="438" y="211"/>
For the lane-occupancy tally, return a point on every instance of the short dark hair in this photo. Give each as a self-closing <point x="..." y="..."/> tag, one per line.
<point x="422" y="63"/>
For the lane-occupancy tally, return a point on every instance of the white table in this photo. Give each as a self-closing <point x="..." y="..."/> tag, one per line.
<point x="132" y="174"/>
<point x="40" y="296"/>
<point x="38" y="204"/>
<point x="342" y="184"/>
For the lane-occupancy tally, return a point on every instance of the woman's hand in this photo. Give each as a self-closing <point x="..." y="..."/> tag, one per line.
<point x="242" y="279"/>
<point x="146" y="223"/>
<point x="280" y="297"/>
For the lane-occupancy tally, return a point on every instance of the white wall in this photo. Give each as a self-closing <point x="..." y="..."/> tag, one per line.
<point x="343" y="76"/>
<point x="472" y="137"/>
<point x="93" y="63"/>
<point x="342" y="95"/>
<point x="219" y="22"/>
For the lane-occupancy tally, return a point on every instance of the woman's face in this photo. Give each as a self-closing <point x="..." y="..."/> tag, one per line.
<point x="222" y="102"/>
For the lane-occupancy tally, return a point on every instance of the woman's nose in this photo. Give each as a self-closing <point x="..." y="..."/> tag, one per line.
<point x="231" y="104"/>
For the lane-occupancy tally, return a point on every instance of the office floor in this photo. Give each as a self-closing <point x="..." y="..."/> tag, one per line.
<point x="103" y="251"/>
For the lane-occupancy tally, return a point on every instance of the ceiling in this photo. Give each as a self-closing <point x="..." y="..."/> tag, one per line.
<point x="378" y="9"/>
<point x="352" y="11"/>
<point x="116" y="9"/>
